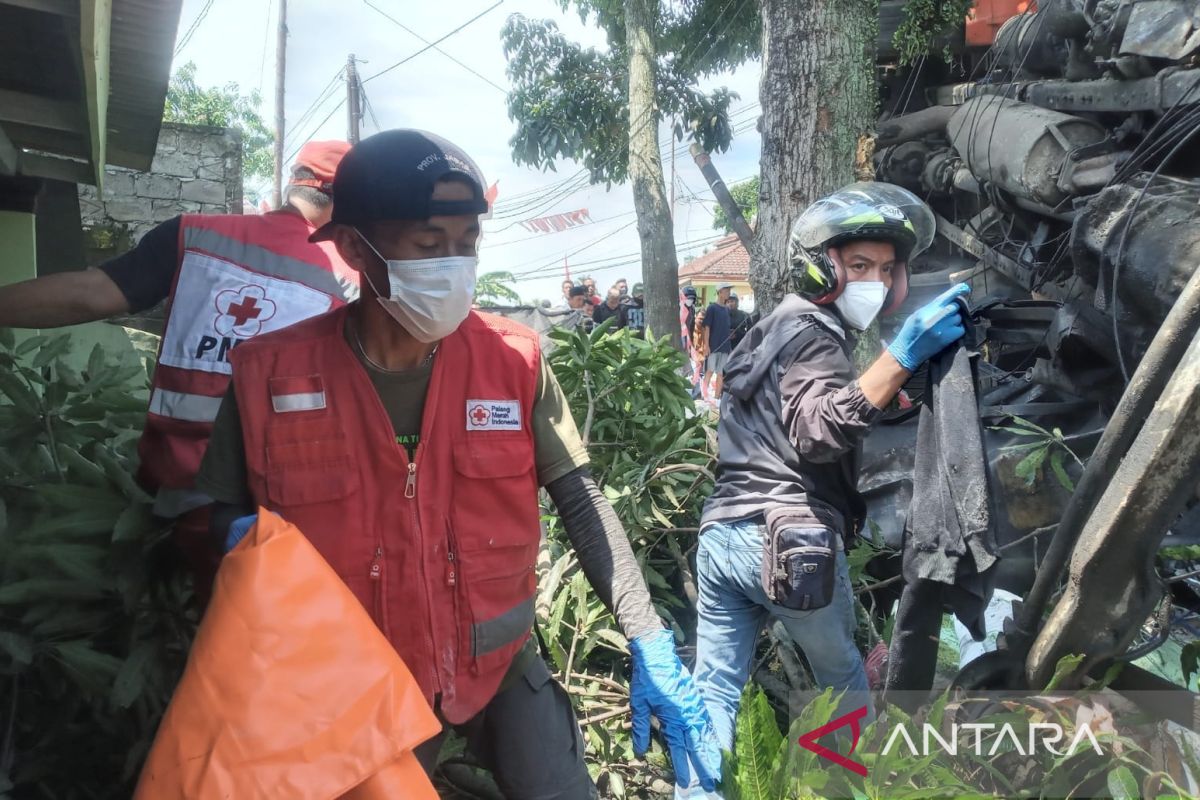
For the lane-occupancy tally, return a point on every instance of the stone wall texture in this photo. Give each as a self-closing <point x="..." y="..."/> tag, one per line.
<point x="196" y="169"/>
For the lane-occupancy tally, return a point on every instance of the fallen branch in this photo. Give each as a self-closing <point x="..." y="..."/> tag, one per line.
<point x="584" y="677"/>
<point x="605" y="716"/>
<point x="685" y="571"/>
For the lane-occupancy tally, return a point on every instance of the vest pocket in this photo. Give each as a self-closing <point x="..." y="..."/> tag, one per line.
<point x="297" y="481"/>
<point x="494" y="524"/>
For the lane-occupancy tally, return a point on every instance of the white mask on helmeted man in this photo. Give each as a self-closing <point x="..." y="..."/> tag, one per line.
<point x="861" y="301"/>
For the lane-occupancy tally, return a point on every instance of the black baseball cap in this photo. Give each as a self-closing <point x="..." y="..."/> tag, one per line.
<point x="391" y="175"/>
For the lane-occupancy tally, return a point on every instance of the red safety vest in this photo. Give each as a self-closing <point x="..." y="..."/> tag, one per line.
<point x="441" y="549"/>
<point x="238" y="277"/>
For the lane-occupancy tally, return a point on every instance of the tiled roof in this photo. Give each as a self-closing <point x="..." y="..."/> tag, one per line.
<point x="728" y="260"/>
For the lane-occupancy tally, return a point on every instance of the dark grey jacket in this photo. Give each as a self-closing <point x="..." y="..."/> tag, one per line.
<point x="792" y="418"/>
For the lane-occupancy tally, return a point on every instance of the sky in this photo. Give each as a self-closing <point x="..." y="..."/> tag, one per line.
<point x="234" y="41"/>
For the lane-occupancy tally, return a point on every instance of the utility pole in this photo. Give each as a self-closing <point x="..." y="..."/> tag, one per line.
<point x="280" y="71"/>
<point x="352" y="102"/>
<point x="719" y="190"/>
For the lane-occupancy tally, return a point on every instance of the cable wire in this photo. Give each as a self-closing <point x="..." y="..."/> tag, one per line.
<point x="436" y="42"/>
<point x="423" y="40"/>
<point x="195" y="26"/>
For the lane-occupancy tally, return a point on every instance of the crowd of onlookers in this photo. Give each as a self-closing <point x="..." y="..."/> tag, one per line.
<point x="709" y="334"/>
<point x="626" y="307"/>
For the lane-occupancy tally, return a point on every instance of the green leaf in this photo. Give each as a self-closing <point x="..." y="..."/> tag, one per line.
<point x="1060" y="472"/>
<point x="1189" y="660"/>
<point x="1123" y="785"/>
<point x="1066" y="667"/>
<point x="39" y="590"/>
<point x="1030" y="466"/>
<point x="31" y="344"/>
<point x="134" y="523"/>
<point x="56" y="347"/>
<point x="614" y="638"/>
<point x="1181" y="552"/>
<point x="18" y="648"/>
<point x="756" y="744"/>
<point x="131" y="678"/>
<point x="19" y="393"/>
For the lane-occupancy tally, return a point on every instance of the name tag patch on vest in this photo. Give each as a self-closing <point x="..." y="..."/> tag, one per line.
<point x="493" y="415"/>
<point x="306" y="393"/>
<point x="217" y="305"/>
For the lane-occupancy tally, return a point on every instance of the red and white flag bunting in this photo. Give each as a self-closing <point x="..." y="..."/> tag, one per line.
<point x="557" y="222"/>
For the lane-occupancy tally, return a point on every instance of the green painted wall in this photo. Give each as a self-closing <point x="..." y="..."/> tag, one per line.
<point x="18" y="247"/>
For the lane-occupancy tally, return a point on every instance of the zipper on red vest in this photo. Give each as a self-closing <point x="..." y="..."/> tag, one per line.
<point x="410" y="486"/>
<point x="377" y="564"/>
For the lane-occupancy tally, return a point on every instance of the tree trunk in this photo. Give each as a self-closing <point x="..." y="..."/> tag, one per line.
<point x="818" y="99"/>
<point x="660" y="268"/>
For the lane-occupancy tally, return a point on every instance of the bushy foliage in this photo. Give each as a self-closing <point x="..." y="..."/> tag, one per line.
<point x="745" y="195"/>
<point x="95" y="619"/>
<point x="223" y="107"/>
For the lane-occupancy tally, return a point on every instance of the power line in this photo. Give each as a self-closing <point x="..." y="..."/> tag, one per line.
<point x="551" y="233"/>
<point x="191" y="31"/>
<point x="404" y="27"/>
<point x="544" y="197"/>
<point x="262" y="64"/>
<point x="325" y="94"/>
<point x="318" y="127"/>
<point x="436" y="42"/>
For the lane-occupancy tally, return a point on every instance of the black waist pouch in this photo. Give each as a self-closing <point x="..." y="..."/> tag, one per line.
<point x="799" y="560"/>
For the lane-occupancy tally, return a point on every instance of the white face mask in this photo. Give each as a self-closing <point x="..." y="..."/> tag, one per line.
<point x="861" y="302"/>
<point x="429" y="297"/>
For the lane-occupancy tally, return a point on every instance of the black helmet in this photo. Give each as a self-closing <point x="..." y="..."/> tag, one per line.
<point x="865" y="210"/>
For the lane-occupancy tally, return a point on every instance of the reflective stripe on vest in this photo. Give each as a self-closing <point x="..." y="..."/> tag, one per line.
<point x="494" y="633"/>
<point x="267" y="262"/>
<point x="184" y="406"/>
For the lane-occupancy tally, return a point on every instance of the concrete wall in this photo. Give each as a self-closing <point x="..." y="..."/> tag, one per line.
<point x="196" y="169"/>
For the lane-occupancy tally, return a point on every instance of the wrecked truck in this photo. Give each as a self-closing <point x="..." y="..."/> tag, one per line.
<point x="1060" y="150"/>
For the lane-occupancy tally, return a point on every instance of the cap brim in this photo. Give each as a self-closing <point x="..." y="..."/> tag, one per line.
<point x="323" y="233"/>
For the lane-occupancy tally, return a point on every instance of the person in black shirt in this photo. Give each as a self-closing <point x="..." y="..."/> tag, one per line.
<point x="632" y="313"/>
<point x="739" y="321"/>
<point x="609" y="309"/>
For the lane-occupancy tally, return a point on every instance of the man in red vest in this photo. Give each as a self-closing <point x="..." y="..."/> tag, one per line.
<point x="407" y="436"/>
<point x="226" y="279"/>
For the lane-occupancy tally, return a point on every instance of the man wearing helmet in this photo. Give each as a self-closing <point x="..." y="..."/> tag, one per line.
<point x="785" y="504"/>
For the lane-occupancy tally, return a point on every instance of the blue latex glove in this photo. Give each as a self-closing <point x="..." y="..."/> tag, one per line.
<point x="931" y="329"/>
<point x="238" y="530"/>
<point x="663" y="687"/>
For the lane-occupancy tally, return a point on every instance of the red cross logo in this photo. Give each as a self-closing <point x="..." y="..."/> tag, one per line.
<point x="242" y="312"/>
<point x="247" y="309"/>
<point x="480" y="416"/>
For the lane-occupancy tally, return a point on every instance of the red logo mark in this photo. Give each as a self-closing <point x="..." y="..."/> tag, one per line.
<point x="480" y="416"/>
<point x="247" y="309"/>
<point x="243" y="311"/>
<point x="809" y="740"/>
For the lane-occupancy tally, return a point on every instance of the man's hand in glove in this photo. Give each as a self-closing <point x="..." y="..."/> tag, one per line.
<point x="931" y="329"/>
<point x="238" y="530"/>
<point x="663" y="687"/>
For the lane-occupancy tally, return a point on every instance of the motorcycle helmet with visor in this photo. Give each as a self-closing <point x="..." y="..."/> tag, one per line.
<point x="866" y="210"/>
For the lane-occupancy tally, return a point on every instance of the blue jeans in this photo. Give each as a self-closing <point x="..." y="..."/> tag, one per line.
<point x="733" y="607"/>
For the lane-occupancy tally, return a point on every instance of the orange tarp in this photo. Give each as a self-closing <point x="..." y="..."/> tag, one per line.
<point x="290" y="690"/>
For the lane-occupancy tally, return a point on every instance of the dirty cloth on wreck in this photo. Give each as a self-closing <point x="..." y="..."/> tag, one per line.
<point x="949" y="542"/>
